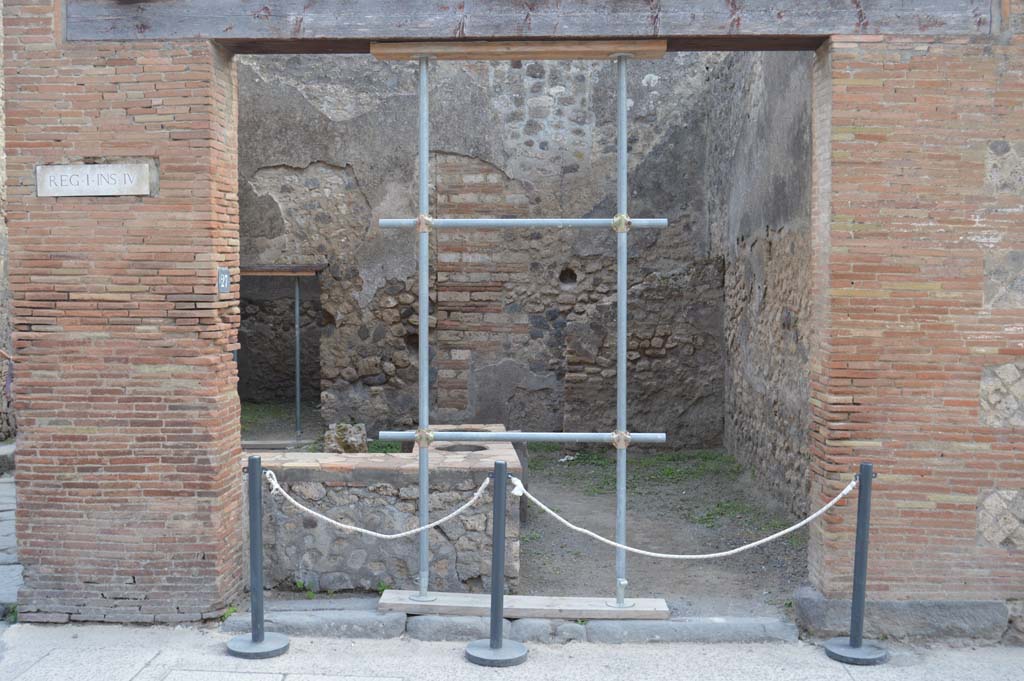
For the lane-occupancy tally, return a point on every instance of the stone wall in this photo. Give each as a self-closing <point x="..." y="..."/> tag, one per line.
<point x="758" y="166"/>
<point x="521" y="318"/>
<point x="380" y="492"/>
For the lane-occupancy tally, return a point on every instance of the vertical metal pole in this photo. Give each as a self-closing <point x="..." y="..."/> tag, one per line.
<point x="496" y="652"/>
<point x="855" y="650"/>
<point x="259" y="644"/>
<point x="423" y="327"/>
<point x="498" y="554"/>
<point x="298" y="362"/>
<point x="256" y="546"/>
<point x="860" y="555"/>
<point x="620" y="339"/>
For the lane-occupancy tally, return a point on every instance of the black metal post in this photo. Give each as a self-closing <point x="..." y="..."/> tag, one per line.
<point x="259" y="644"/>
<point x="256" y="547"/>
<point x="854" y="650"/>
<point x="498" y="554"/>
<point x="496" y="652"/>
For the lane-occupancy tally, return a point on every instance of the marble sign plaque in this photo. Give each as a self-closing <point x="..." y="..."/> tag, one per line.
<point x="99" y="179"/>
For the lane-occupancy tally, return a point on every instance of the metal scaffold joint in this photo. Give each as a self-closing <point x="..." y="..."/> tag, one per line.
<point x="424" y="223"/>
<point x="621" y="439"/>
<point x="424" y="437"/>
<point x="621" y="223"/>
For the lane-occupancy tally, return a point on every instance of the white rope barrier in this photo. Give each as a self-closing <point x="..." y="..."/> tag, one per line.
<point x="519" y="490"/>
<point x="278" y="490"/>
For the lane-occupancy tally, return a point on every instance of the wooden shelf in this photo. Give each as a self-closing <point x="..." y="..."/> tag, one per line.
<point x="306" y="270"/>
<point x="520" y="49"/>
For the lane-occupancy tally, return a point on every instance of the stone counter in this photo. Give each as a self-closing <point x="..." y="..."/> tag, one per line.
<point x="380" y="492"/>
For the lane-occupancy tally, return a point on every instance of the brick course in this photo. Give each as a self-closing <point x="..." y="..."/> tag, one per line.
<point x="129" y="503"/>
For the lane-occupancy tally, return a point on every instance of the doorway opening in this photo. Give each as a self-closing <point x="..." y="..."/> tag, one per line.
<point x="522" y="322"/>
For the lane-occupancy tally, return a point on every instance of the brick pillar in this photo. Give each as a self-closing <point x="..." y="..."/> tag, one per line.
<point x="919" y="364"/>
<point x="129" y="494"/>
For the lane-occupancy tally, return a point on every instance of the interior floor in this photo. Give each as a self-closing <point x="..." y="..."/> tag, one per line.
<point x="679" y="502"/>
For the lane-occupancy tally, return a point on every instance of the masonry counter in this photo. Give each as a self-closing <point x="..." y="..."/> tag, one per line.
<point x="380" y="492"/>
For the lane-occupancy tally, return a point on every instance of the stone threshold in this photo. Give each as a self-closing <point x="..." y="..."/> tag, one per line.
<point x="359" y="618"/>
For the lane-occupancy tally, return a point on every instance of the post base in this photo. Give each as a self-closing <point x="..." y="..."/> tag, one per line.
<point x="423" y="598"/>
<point x="624" y="604"/>
<point x="509" y="654"/>
<point x="868" y="653"/>
<point x="272" y="645"/>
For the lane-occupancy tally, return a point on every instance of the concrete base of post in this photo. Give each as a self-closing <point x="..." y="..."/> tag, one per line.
<point x="509" y="654"/>
<point x="272" y="645"/>
<point x="868" y="653"/>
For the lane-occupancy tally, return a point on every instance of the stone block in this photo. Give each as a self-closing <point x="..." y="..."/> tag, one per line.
<point x="1002" y="395"/>
<point x="903" y="620"/>
<point x="539" y="630"/>
<point x="451" y="627"/>
<point x="1001" y="518"/>
<point x="692" y="630"/>
<point x="325" y="623"/>
<point x="1004" y="279"/>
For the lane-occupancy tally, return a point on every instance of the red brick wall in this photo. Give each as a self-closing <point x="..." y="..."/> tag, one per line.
<point x="909" y="217"/>
<point x="129" y="505"/>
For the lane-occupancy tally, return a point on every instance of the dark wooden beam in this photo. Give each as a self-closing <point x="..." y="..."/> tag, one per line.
<point x="285" y="25"/>
<point x="301" y="270"/>
<point x="508" y="50"/>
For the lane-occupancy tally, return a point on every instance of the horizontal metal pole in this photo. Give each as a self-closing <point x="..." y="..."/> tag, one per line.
<point x="528" y="223"/>
<point x="517" y="436"/>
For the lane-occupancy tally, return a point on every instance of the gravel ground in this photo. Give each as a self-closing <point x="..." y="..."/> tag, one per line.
<point x="685" y="502"/>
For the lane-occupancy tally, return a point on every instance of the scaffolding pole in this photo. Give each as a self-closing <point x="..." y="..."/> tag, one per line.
<point x="423" y="329"/>
<point x="519" y="436"/>
<point x="622" y="255"/>
<point x="621" y="223"/>
<point x="523" y="223"/>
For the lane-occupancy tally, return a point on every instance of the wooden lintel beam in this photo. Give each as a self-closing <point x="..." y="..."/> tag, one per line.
<point x="279" y="273"/>
<point x="488" y="50"/>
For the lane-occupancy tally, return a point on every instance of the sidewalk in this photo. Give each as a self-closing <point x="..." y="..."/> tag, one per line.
<point x="116" y="653"/>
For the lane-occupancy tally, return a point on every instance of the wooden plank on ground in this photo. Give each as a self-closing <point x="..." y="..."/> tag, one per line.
<point x="520" y="49"/>
<point x="553" y="607"/>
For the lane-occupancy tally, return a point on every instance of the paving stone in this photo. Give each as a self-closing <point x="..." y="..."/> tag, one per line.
<point x="692" y="630"/>
<point x="451" y="627"/>
<point x="90" y="665"/>
<point x="188" y="675"/>
<point x="325" y="623"/>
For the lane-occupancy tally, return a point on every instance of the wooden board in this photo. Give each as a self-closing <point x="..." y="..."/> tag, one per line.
<point x="306" y="270"/>
<point x="554" y="607"/>
<point x="521" y="49"/>
<point x="251" y="25"/>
